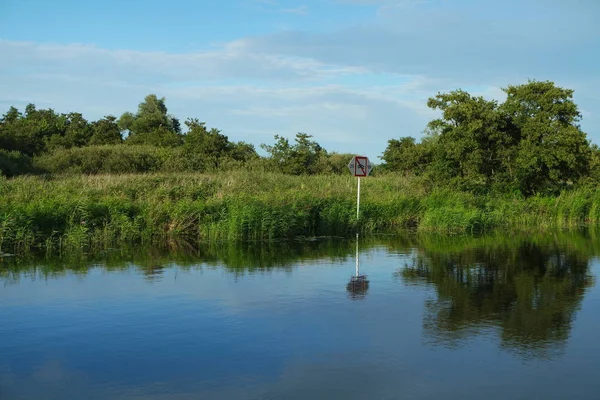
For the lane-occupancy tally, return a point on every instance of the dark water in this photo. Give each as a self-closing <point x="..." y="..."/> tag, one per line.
<point x="501" y="317"/>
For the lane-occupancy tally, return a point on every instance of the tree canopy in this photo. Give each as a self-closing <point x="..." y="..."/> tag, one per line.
<point x="530" y="143"/>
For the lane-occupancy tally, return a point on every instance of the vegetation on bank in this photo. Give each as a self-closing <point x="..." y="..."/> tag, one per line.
<point x="104" y="211"/>
<point x="142" y="178"/>
<point x="43" y="141"/>
<point x="530" y="144"/>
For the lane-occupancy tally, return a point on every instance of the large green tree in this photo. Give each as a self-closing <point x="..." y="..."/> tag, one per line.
<point x="552" y="150"/>
<point x="32" y="132"/>
<point x="300" y="158"/>
<point x="405" y="155"/>
<point x="531" y="143"/>
<point x="151" y="124"/>
<point x="75" y="132"/>
<point x="210" y="150"/>
<point x="472" y="141"/>
<point x="203" y="148"/>
<point x="106" y="131"/>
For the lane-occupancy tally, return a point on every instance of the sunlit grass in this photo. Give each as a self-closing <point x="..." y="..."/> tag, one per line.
<point x="95" y="212"/>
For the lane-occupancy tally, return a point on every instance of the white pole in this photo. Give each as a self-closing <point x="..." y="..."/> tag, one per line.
<point x="357" y="254"/>
<point x="357" y="214"/>
<point x="358" y="198"/>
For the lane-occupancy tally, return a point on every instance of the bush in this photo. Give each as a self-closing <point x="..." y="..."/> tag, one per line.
<point x="15" y="163"/>
<point x="115" y="159"/>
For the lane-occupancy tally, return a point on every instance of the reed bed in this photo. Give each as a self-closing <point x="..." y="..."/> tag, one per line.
<point x="102" y="211"/>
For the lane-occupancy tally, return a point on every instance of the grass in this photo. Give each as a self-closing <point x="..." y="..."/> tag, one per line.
<point x="98" y="212"/>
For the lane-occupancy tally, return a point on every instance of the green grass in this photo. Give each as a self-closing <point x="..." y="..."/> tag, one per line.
<point x="103" y="211"/>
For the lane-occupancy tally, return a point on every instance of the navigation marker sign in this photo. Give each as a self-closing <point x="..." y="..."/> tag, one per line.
<point x="360" y="166"/>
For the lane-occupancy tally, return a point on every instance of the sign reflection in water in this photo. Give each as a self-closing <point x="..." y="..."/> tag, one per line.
<point x="359" y="283"/>
<point x="451" y="317"/>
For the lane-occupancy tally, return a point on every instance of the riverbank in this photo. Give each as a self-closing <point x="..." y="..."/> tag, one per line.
<point x="95" y="212"/>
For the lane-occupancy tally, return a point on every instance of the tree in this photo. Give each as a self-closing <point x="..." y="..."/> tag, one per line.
<point x="31" y="133"/>
<point x="530" y="143"/>
<point x="552" y="150"/>
<point x="76" y="133"/>
<point x="406" y="156"/>
<point x="151" y="124"/>
<point x="334" y="163"/>
<point x="209" y="150"/>
<point x="106" y="131"/>
<point x="242" y="151"/>
<point x="7" y="139"/>
<point x="11" y="116"/>
<point x="300" y="158"/>
<point x="472" y="141"/>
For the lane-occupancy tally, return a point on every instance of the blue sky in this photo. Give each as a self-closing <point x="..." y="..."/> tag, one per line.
<point x="352" y="73"/>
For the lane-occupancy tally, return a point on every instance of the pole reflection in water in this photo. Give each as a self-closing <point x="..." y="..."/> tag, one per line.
<point x="359" y="284"/>
<point x="492" y="317"/>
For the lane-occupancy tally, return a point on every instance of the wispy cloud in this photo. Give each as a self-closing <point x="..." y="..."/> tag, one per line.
<point x="301" y="10"/>
<point x="339" y="84"/>
<point x="275" y="5"/>
<point x="250" y="95"/>
<point x="472" y="46"/>
<point x="232" y="61"/>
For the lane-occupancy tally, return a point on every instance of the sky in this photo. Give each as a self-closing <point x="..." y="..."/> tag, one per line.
<point x="351" y="73"/>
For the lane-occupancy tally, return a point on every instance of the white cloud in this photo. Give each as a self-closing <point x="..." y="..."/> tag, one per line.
<point x="301" y="10"/>
<point x="230" y="61"/>
<point x="340" y="85"/>
<point x="497" y="43"/>
<point x="461" y="45"/>
<point x="250" y="95"/>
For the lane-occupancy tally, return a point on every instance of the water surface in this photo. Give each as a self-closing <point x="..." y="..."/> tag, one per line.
<point x="456" y="318"/>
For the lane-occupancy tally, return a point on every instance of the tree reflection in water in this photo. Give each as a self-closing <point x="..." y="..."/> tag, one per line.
<point x="529" y="293"/>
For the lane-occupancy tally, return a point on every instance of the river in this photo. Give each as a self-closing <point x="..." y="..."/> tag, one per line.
<point x="505" y="316"/>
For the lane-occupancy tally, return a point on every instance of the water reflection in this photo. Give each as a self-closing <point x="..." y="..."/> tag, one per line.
<point x="524" y="290"/>
<point x="359" y="283"/>
<point x="236" y="258"/>
<point x="277" y="320"/>
<point x="153" y="272"/>
<point x="530" y="291"/>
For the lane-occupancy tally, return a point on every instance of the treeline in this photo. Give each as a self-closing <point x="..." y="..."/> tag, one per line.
<point x="531" y="143"/>
<point x="151" y="140"/>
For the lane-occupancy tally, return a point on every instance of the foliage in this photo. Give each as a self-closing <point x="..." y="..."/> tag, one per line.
<point x="151" y="125"/>
<point x="14" y="163"/>
<point x="107" y="159"/>
<point x="105" y="131"/>
<point x="208" y="150"/>
<point x="301" y="158"/>
<point x="406" y="156"/>
<point x="31" y="132"/>
<point x="531" y="143"/>
<point x="106" y="210"/>
<point x="552" y="151"/>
